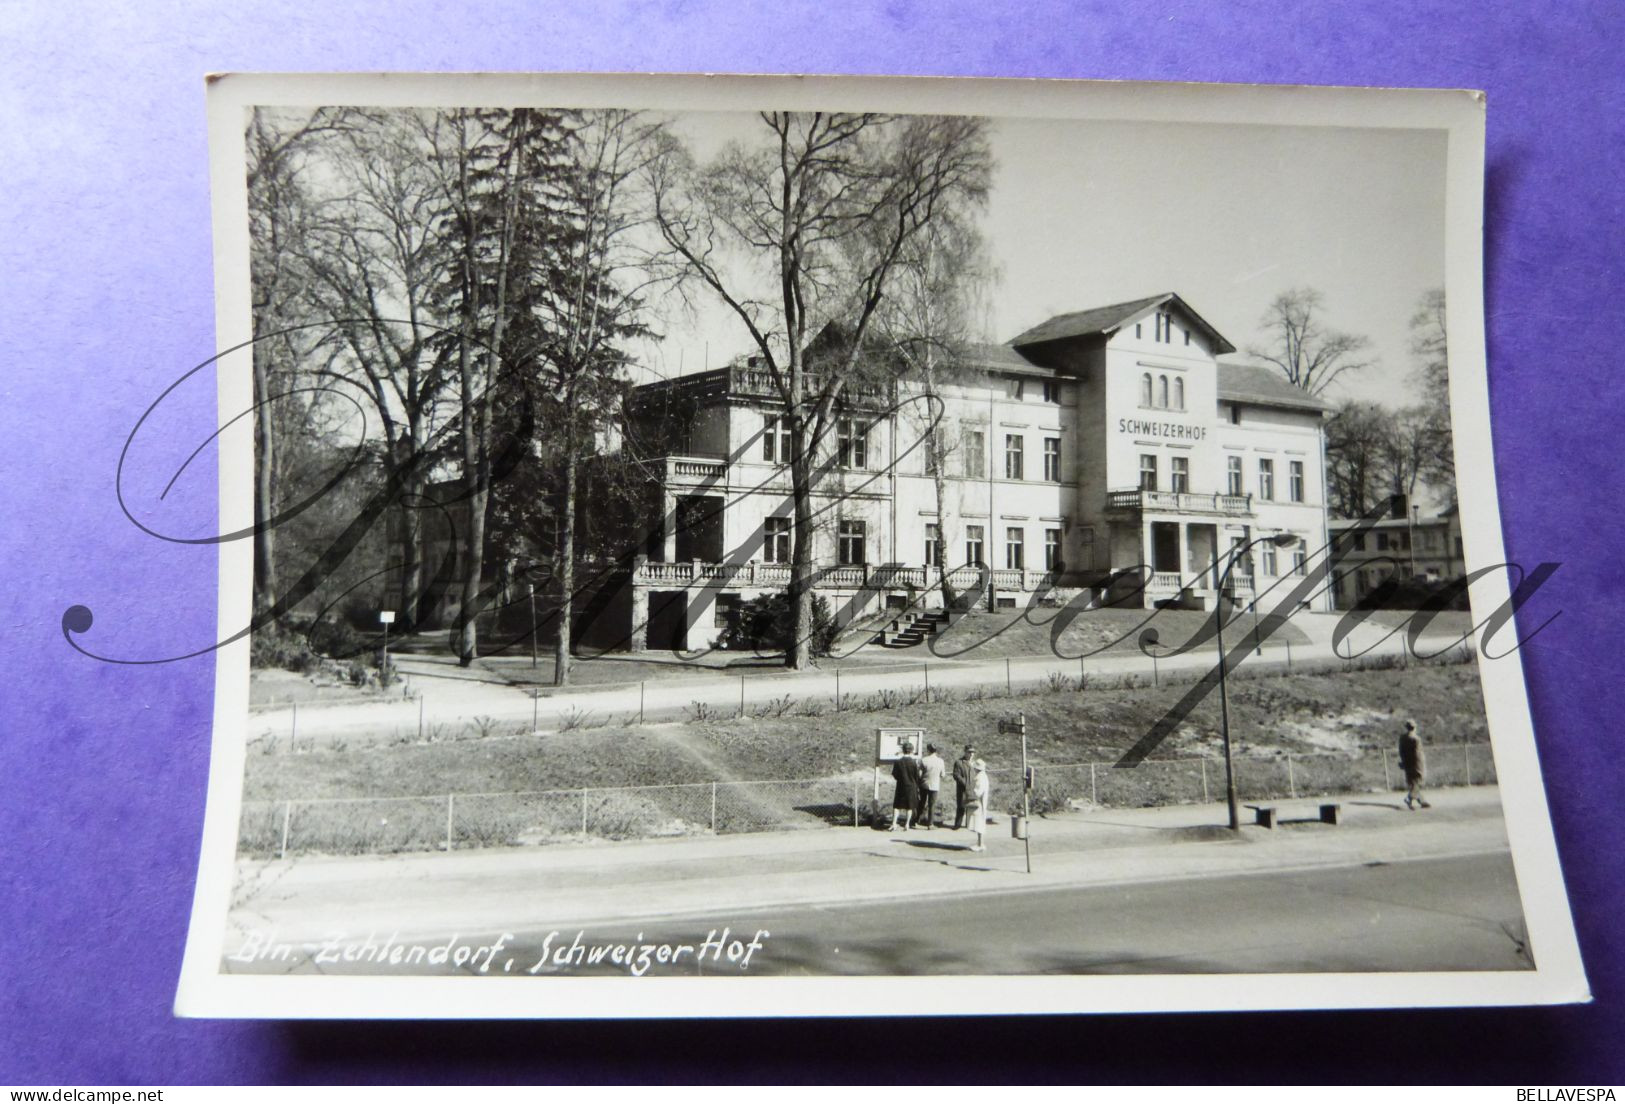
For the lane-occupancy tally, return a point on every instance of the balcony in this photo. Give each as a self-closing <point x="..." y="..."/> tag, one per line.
<point x="693" y="471"/>
<point x="1180" y="502"/>
<point x="686" y="573"/>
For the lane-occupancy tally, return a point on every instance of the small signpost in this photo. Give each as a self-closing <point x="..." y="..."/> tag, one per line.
<point x="889" y="747"/>
<point x="1021" y="827"/>
<point x="385" y="618"/>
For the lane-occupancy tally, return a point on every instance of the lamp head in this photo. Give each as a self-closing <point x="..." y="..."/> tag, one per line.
<point x="1284" y="540"/>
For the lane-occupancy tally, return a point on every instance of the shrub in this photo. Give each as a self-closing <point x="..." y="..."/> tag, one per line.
<point x="767" y="623"/>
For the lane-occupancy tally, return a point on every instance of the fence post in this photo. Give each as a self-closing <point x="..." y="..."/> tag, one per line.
<point x="535" y="704"/>
<point x="1289" y="655"/>
<point x="1387" y="779"/>
<point x="641" y="685"/>
<point x="1009" y="689"/>
<point x="1467" y="764"/>
<point x="1094" y="795"/>
<point x="1204" y="781"/>
<point x="451" y="807"/>
<point x="287" y="815"/>
<point x="927" y="665"/>
<point x="583" y="812"/>
<point x="741" y="695"/>
<point x="1291" y="780"/>
<point x="855" y="793"/>
<point x="420" y="716"/>
<point x="713" y="808"/>
<point x="837" y="689"/>
<point x="1156" y="676"/>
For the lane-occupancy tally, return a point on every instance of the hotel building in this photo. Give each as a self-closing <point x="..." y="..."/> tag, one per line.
<point x="1090" y="445"/>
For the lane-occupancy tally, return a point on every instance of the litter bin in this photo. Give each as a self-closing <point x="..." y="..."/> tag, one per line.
<point x="1018" y="827"/>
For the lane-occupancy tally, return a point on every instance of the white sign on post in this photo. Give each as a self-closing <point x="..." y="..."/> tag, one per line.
<point x="889" y="747"/>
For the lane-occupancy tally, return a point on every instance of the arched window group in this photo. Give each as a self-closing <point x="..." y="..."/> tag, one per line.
<point x="1156" y="392"/>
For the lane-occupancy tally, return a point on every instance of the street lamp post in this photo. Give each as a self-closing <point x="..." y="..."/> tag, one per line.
<point x="1149" y="639"/>
<point x="531" y="588"/>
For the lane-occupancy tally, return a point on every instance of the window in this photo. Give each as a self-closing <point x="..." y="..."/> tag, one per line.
<point x="1180" y="477"/>
<point x="1179" y="394"/>
<point x="1295" y="480"/>
<point x="1052" y="550"/>
<point x="1162" y="392"/>
<point x="1241" y="562"/>
<point x="1382" y="542"/>
<point x="852" y="443"/>
<point x="933" y="544"/>
<point x="1052" y="459"/>
<point x="1015" y="388"/>
<point x="775" y="439"/>
<point x="1145" y="389"/>
<point x="852" y="538"/>
<point x="1232" y="475"/>
<point x="1266" y="480"/>
<point x="1015" y="548"/>
<point x="1013" y="456"/>
<point x="1139" y="330"/>
<point x="1267" y="559"/>
<point x="776" y="540"/>
<point x="726" y="611"/>
<point x="1187" y="337"/>
<point x="1235" y="414"/>
<point x="1148" y="471"/>
<point x="973" y="544"/>
<point x="1359" y="542"/>
<point x="975" y="454"/>
<point x="1052" y="391"/>
<point x="1300" y="562"/>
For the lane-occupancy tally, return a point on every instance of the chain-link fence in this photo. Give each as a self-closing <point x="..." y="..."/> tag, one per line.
<point x="351" y="826"/>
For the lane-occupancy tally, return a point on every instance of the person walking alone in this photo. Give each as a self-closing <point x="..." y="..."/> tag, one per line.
<point x="964" y="775"/>
<point x="932" y="768"/>
<point x="905" y="772"/>
<point x="1413" y="761"/>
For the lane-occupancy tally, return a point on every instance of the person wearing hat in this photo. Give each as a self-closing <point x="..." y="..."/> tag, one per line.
<point x="931" y="768"/>
<point x="964" y="775"/>
<point x="1413" y="761"/>
<point x="905" y="771"/>
<point x="976" y="803"/>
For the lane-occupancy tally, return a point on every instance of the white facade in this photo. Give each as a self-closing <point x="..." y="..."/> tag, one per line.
<point x="1095" y="443"/>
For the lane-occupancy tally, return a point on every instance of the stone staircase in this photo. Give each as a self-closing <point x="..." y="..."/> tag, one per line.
<point x="909" y="630"/>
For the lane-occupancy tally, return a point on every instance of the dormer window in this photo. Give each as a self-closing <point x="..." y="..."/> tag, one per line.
<point x="1165" y="327"/>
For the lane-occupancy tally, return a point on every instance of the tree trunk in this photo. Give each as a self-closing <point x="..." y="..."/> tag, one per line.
<point x="565" y="557"/>
<point x="264" y="486"/>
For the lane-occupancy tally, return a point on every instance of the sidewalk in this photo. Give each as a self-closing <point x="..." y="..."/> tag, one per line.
<point x="429" y="895"/>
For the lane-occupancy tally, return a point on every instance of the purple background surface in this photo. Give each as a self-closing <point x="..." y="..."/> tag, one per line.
<point x="106" y="264"/>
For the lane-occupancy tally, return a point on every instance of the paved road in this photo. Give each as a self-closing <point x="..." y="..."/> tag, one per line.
<point x="1449" y="914"/>
<point x="453" y="702"/>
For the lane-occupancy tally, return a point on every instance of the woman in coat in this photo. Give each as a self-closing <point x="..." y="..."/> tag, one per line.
<point x="905" y="771"/>
<point x="976" y="809"/>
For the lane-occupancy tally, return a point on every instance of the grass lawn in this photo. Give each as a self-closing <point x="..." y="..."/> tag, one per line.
<point x="1336" y="712"/>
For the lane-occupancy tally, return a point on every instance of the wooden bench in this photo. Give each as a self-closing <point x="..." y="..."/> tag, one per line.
<point x="1265" y="815"/>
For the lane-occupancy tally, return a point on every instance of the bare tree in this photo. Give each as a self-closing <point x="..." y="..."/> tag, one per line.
<point x="823" y="209"/>
<point x="370" y="256"/>
<point x="941" y="282"/>
<point x="1357" y="440"/>
<point x="1430" y="346"/>
<point x="1307" y="353"/>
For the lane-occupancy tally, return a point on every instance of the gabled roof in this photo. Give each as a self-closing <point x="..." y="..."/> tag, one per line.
<point x="1263" y="385"/>
<point x="1108" y="320"/>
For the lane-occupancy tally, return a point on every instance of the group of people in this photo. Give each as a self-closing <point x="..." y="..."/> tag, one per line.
<point x="919" y="780"/>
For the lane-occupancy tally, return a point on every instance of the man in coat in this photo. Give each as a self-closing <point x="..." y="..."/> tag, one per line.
<point x="964" y="776"/>
<point x="1413" y="761"/>
<point x="932" y="768"/>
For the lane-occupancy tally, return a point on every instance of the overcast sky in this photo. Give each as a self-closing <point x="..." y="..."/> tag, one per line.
<point x="1088" y="213"/>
